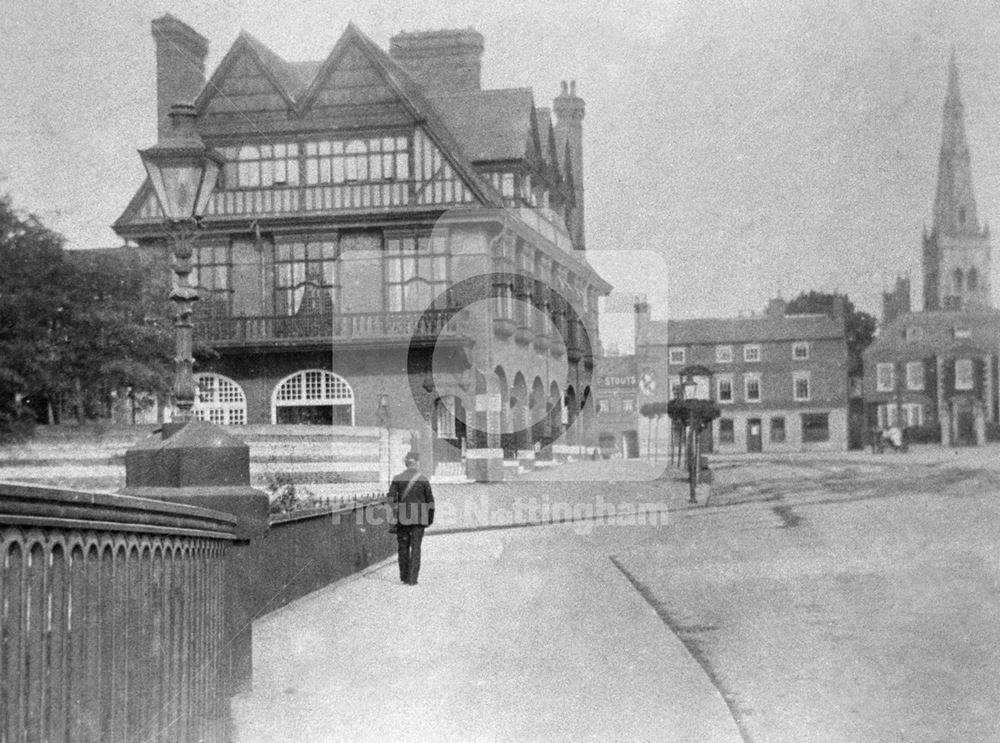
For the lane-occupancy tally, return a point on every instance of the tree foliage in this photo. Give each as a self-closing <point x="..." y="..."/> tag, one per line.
<point x="75" y="325"/>
<point x="860" y="326"/>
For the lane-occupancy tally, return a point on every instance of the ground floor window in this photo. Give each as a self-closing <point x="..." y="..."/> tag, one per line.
<point x="905" y="415"/>
<point x="778" y="430"/>
<point x="219" y="400"/>
<point x="815" y="427"/>
<point x="313" y="397"/>
<point x="727" y="433"/>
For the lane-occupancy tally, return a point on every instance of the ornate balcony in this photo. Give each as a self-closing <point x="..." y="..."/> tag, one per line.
<point x="322" y="329"/>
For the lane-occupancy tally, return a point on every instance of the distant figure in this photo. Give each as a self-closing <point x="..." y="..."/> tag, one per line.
<point x="411" y="492"/>
<point x="876" y="436"/>
<point x="895" y="437"/>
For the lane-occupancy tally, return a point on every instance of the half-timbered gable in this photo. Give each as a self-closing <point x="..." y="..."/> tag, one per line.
<point x="251" y="90"/>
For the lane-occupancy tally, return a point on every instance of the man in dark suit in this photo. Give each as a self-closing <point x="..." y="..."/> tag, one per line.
<point x="411" y="492"/>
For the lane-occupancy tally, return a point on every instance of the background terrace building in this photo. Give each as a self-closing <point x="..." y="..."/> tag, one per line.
<point x="935" y="374"/>
<point x="387" y="244"/>
<point x="781" y="381"/>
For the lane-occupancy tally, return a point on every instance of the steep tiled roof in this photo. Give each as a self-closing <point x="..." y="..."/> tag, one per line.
<point x="753" y="329"/>
<point x="936" y="333"/>
<point x="489" y="124"/>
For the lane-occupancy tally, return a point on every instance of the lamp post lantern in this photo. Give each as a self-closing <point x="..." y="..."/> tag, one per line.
<point x="183" y="172"/>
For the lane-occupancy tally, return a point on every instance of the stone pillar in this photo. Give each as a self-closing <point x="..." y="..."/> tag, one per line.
<point x="484" y="457"/>
<point x="199" y="464"/>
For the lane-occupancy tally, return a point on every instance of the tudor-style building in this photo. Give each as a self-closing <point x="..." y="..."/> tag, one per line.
<point x="388" y="244"/>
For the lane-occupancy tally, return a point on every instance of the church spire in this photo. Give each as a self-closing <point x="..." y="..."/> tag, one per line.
<point x="954" y="203"/>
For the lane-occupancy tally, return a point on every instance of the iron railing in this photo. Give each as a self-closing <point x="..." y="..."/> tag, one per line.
<point x="112" y="618"/>
<point x="343" y="328"/>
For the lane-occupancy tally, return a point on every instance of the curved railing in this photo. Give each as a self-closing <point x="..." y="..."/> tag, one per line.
<point x="113" y="617"/>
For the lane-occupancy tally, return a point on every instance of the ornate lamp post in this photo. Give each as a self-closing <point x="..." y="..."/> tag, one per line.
<point x="694" y="413"/>
<point x="183" y="172"/>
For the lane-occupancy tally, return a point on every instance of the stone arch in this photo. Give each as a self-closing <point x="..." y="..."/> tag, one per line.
<point x="555" y="410"/>
<point x="219" y="400"/>
<point x="538" y="411"/>
<point x="519" y="411"/>
<point x="571" y="412"/>
<point x="313" y="396"/>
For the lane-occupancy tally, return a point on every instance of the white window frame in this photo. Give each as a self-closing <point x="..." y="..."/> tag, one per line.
<point x="915" y="375"/>
<point x="723" y="354"/>
<point x="885" y="370"/>
<point x="913" y="414"/>
<point x="677" y="355"/>
<point x="747" y="379"/>
<point x="751" y="353"/>
<point x="965" y="379"/>
<point x="800" y="346"/>
<point x="718" y="388"/>
<point x="801" y="376"/>
<point x="219" y="400"/>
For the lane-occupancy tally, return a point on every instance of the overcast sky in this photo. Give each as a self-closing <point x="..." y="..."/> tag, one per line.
<point x="745" y="148"/>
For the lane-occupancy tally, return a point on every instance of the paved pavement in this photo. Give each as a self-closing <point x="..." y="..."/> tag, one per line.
<point x="520" y="634"/>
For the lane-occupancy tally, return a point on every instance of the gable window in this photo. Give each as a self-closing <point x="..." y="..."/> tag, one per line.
<point x="677" y="355"/>
<point x="963" y="374"/>
<point x="357" y="160"/>
<point x="778" y="430"/>
<point x="915" y="375"/>
<point x="815" y="427"/>
<point x="416" y="271"/>
<point x="751" y="353"/>
<point x="723" y="354"/>
<point x="800" y="385"/>
<point x="724" y="389"/>
<point x="751" y="388"/>
<point x="800" y="350"/>
<point x="885" y="377"/>
<point x="305" y="277"/>
<point x="260" y="166"/>
<point x="727" y="432"/>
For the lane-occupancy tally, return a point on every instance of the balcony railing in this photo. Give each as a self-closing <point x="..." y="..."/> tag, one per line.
<point x="113" y="621"/>
<point x="389" y="327"/>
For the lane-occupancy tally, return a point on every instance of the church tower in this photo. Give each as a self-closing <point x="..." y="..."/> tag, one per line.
<point x="956" y="252"/>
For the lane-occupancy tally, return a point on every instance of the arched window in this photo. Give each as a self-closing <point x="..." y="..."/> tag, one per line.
<point x="315" y="397"/>
<point x="972" y="280"/>
<point x="957" y="280"/>
<point x="219" y="400"/>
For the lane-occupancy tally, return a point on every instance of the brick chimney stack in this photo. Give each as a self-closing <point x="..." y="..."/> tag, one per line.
<point x="445" y="61"/>
<point x="569" y="109"/>
<point x="180" y="66"/>
<point x="641" y="326"/>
